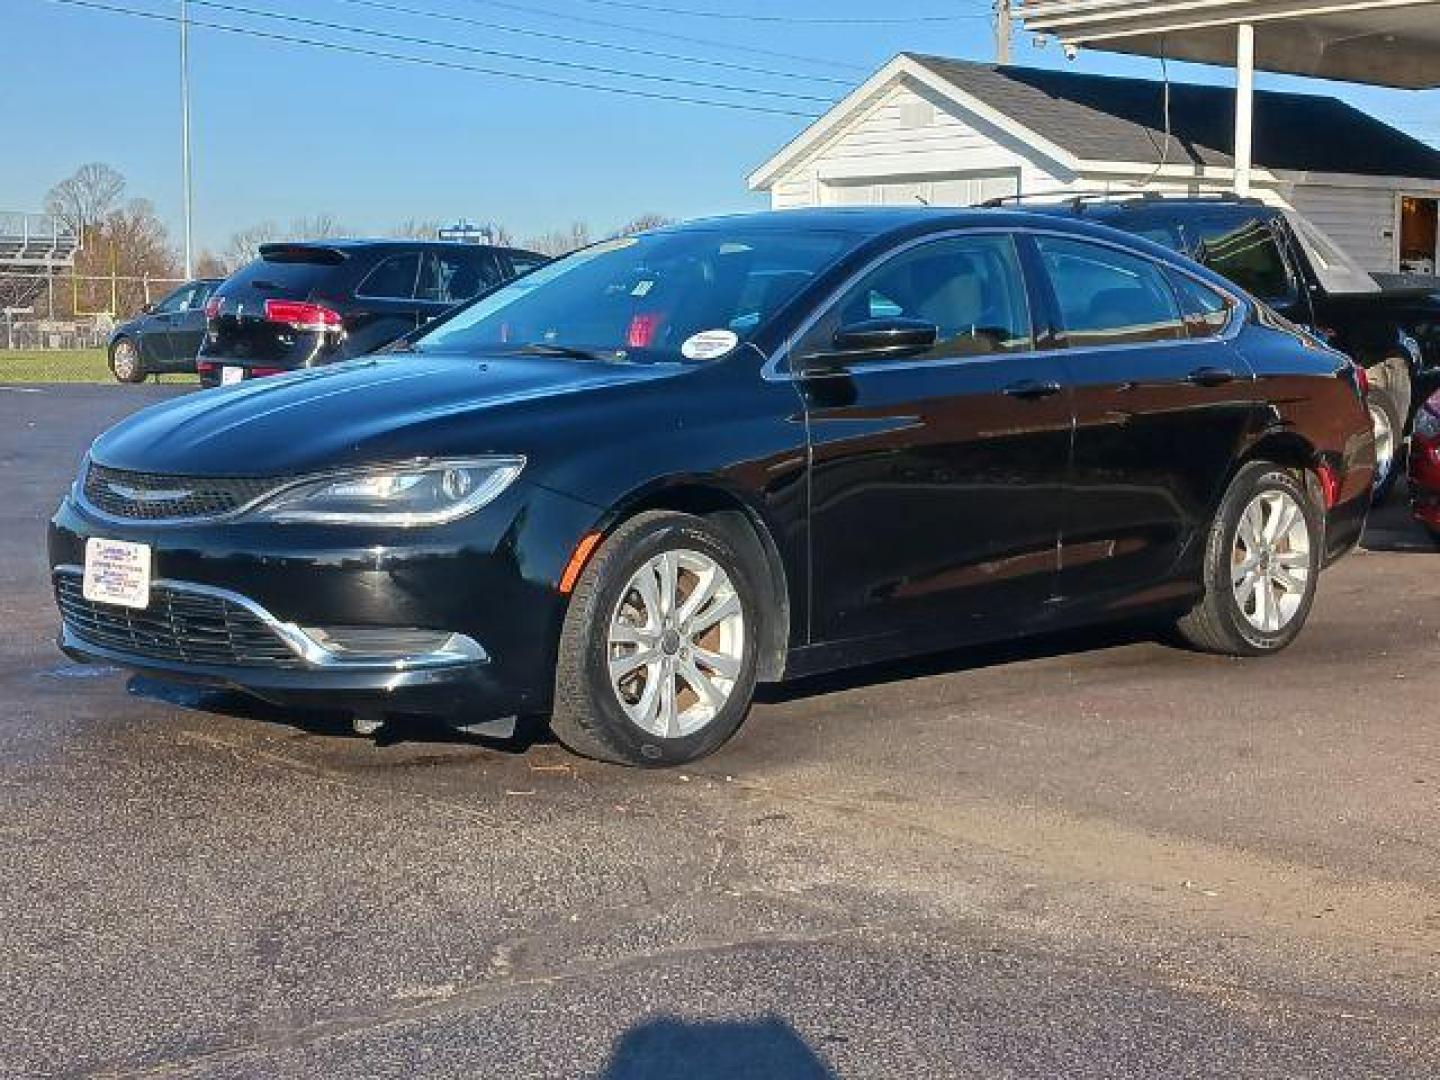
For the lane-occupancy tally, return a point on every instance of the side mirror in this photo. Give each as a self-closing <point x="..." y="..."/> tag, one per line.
<point x="147" y="309"/>
<point x="873" y="339"/>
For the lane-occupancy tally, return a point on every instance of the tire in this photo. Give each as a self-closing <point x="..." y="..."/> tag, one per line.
<point x="626" y="720"/>
<point x="125" y="362"/>
<point x="1221" y="623"/>
<point x="1388" y="422"/>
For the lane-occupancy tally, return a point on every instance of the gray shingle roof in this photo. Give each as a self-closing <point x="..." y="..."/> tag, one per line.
<point x="1104" y="118"/>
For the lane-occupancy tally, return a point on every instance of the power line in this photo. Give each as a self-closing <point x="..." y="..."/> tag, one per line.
<point x="799" y="20"/>
<point x="502" y="54"/>
<point x="652" y="32"/>
<point x="589" y="43"/>
<point x="448" y="65"/>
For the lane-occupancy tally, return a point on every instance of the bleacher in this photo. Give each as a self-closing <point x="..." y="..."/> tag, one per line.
<point x="33" y="248"/>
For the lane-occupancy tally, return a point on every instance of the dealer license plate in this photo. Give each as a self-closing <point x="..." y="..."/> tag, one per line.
<point x="230" y="375"/>
<point x="117" y="572"/>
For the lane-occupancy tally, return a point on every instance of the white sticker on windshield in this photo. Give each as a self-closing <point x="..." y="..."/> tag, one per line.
<point x="709" y="344"/>
<point x="643" y="288"/>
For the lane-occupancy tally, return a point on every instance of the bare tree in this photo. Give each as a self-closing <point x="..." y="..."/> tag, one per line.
<point x="208" y="264"/>
<point x="86" y="196"/>
<point x="416" y="229"/>
<point x="126" y="262"/>
<point x="643" y="223"/>
<point x="321" y="226"/>
<point x="244" y="245"/>
<point x="560" y="241"/>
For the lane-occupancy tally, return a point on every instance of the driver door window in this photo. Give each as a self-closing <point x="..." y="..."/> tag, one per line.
<point x="970" y="288"/>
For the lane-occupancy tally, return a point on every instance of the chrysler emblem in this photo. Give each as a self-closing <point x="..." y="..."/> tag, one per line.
<point x="162" y="495"/>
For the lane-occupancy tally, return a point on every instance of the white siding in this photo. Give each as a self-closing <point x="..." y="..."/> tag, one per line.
<point x="910" y="143"/>
<point x="1360" y="219"/>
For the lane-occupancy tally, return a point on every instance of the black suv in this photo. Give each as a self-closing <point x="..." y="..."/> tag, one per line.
<point x="304" y="304"/>
<point x="164" y="336"/>
<point x="1389" y="325"/>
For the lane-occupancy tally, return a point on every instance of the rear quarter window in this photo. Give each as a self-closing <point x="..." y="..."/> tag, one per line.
<point x="1246" y="252"/>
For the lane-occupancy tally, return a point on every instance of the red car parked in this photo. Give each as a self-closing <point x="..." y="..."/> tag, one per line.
<point x="1425" y="466"/>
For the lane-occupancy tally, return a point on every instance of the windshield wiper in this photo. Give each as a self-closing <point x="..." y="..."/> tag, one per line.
<point x="545" y="348"/>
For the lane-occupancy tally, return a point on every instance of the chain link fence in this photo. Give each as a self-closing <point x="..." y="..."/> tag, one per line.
<point x="40" y="310"/>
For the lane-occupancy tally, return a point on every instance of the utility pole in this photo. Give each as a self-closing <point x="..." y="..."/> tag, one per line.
<point x="1002" y="31"/>
<point x="185" y="131"/>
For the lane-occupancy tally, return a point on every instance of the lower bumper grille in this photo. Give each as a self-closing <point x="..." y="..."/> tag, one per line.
<point x="179" y="625"/>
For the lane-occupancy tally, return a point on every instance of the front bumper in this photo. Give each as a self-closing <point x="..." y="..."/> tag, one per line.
<point x="256" y="606"/>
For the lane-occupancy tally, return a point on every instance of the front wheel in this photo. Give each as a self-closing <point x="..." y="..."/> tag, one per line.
<point x="1262" y="563"/>
<point x="657" y="657"/>
<point x="125" y="362"/>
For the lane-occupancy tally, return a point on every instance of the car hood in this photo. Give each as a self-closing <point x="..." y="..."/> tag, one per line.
<point x="382" y="408"/>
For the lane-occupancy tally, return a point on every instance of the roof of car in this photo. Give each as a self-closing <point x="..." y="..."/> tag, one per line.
<point x="1111" y="118"/>
<point x="876" y="221"/>
<point x="359" y="243"/>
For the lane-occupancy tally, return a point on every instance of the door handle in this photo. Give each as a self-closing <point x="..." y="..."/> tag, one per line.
<point x="1031" y="389"/>
<point x="1210" y="376"/>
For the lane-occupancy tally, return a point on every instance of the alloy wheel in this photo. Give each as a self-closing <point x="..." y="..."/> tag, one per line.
<point x="675" y="644"/>
<point x="1384" y="443"/>
<point x="125" y="362"/>
<point x="1270" y="560"/>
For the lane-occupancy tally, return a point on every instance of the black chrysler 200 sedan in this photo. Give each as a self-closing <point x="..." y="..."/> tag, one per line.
<point x="624" y="488"/>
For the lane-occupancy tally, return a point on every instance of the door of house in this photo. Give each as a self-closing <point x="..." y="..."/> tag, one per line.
<point x="1419" y="235"/>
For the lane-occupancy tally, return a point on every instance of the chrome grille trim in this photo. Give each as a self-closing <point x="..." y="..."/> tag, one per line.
<point x="183" y="624"/>
<point x="189" y="623"/>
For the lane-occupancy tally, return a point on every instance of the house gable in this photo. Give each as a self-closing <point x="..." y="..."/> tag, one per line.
<point x="905" y="121"/>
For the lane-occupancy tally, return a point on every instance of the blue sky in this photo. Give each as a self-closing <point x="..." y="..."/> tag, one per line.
<point x="281" y="131"/>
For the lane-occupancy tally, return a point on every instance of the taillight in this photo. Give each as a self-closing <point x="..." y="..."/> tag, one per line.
<point x="302" y="315"/>
<point x="642" y="330"/>
<point x="212" y="307"/>
<point x="1329" y="483"/>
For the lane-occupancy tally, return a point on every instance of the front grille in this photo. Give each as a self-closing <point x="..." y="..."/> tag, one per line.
<point x="154" y="497"/>
<point x="179" y="625"/>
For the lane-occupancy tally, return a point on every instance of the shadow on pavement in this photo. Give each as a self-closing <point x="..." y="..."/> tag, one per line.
<point x="968" y="658"/>
<point x="1392" y="529"/>
<point x="529" y="731"/>
<point x="666" y="1048"/>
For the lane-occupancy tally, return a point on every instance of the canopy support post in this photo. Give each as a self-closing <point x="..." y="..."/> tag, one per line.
<point x="1244" y="106"/>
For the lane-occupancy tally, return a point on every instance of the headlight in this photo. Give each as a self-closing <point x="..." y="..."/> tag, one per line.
<point x="424" y="494"/>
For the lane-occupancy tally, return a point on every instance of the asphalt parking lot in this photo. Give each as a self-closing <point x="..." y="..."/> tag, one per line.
<point x="1096" y="856"/>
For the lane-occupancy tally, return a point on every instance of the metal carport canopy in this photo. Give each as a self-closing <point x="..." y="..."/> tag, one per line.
<point x="1383" y="42"/>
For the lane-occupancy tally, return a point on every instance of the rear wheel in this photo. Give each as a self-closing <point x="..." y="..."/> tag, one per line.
<point x="1388" y="423"/>
<point x="1262" y="563"/>
<point x="657" y="656"/>
<point x="125" y="362"/>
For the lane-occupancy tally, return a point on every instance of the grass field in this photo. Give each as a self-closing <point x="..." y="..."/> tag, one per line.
<point x="61" y="366"/>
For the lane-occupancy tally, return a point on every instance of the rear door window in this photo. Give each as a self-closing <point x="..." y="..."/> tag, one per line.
<point x="448" y="277"/>
<point x="392" y="279"/>
<point x="1109" y="297"/>
<point x="1246" y="252"/>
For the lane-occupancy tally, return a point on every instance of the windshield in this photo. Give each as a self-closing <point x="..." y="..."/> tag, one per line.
<point x="686" y="294"/>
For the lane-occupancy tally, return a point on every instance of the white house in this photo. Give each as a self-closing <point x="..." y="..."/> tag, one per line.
<point x="947" y="132"/>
